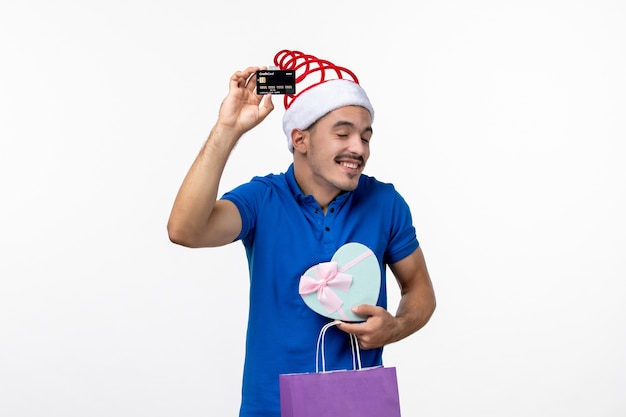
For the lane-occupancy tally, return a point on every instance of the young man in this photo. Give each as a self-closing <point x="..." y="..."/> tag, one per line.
<point x="297" y="219"/>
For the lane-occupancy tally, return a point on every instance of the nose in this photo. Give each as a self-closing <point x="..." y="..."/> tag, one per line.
<point x="358" y="146"/>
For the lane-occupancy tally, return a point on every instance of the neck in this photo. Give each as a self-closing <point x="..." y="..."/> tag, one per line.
<point x="322" y="195"/>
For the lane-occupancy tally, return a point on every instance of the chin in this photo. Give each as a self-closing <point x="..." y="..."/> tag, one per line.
<point x="350" y="186"/>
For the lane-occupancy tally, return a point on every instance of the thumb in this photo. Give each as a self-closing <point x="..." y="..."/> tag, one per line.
<point x="266" y="105"/>
<point x="364" y="310"/>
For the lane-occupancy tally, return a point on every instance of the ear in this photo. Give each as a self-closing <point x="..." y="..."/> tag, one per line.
<point x="298" y="139"/>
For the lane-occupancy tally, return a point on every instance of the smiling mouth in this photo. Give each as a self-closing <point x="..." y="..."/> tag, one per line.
<point x="351" y="165"/>
<point x="351" y="162"/>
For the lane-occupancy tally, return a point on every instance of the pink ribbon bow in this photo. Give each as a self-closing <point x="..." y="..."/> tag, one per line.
<point x="328" y="275"/>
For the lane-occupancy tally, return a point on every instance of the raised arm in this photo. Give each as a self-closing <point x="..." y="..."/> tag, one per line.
<point x="197" y="219"/>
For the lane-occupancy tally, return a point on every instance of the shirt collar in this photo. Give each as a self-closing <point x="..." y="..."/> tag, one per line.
<point x="291" y="182"/>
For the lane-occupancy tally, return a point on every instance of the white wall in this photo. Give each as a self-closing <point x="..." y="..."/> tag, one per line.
<point x="502" y="123"/>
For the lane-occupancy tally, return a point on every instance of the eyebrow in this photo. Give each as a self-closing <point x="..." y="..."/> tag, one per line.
<point x="341" y="123"/>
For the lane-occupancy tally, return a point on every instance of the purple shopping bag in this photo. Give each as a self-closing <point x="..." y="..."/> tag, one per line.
<point x="359" y="392"/>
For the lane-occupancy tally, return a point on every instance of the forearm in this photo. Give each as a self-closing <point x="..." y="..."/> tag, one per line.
<point x="417" y="296"/>
<point x="415" y="309"/>
<point x="198" y="193"/>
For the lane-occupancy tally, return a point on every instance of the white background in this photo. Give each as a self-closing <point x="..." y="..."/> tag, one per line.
<point x="501" y="122"/>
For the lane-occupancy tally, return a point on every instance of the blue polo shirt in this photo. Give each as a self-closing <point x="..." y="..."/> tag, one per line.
<point x="284" y="233"/>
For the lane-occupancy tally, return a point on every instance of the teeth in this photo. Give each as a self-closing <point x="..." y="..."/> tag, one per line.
<point x="350" y="165"/>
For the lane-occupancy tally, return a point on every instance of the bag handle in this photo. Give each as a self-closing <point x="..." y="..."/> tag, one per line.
<point x="354" y="345"/>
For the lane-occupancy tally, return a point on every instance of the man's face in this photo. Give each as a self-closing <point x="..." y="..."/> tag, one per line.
<point x="338" y="148"/>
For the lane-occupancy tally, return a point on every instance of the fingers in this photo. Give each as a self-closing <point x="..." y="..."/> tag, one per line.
<point x="365" y="336"/>
<point x="373" y="332"/>
<point x="251" y="79"/>
<point x="364" y="310"/>
<point x="245" y="78"/>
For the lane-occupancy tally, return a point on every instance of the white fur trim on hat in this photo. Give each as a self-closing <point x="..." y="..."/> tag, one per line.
<point x="320" y="100"/>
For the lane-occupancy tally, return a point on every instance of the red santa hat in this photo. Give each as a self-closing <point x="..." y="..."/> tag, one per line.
<point x="321" y="87"/>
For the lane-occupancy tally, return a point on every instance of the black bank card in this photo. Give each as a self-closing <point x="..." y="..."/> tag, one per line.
<point x="275" y="82"/>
